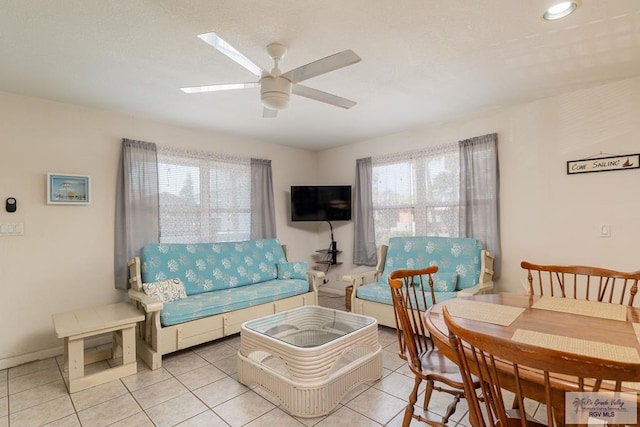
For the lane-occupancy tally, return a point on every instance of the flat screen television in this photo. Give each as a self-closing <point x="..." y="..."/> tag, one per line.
<point x="321" y="203"/>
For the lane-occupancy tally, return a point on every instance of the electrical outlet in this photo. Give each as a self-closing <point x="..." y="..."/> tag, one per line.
<point x="337" y="277"/>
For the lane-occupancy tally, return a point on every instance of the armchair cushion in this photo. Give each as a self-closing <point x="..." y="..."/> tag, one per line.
<point x="292" y="270"/>
<point x="381" y="292"/>
<point x="459" y="255"/>
<point x="445" y="281"/>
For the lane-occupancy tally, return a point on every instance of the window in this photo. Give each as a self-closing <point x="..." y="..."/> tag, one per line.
<point x="203" y="197"/>
<point x="416" y="193"/>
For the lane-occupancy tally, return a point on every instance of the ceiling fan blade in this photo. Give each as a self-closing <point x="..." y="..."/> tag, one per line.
<point x="214" y="40"/>
<point x="268" y="113"/>
<point x="214" y="88"/>
<point x="321" y="66"/>
<point x="321" y="96"/>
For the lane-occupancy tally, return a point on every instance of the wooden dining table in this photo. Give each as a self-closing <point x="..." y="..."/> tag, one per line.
<point x="598" y="329"/>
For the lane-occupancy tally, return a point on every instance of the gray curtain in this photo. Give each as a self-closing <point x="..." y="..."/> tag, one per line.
<point x="263" y="218"/>
<point x="136" y="205"/>
<point x="364" y="242"/>
<point x="479" y="193"/>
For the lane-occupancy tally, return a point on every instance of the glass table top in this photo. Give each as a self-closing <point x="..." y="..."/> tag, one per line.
<point x="309" y="326"/>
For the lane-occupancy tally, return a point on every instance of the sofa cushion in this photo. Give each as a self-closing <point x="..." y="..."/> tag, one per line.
<point x="459" y="255"/>
<point x="225" y="300"/>
<point x="204" y="267"/>
<point x="165" y="290"/>
<point x="380" y="292"/>
<point x="292" y="270"/>
<point x="445" y="281"/>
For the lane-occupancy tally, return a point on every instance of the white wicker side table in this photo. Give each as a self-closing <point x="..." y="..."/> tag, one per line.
<point x="309" y="357"/>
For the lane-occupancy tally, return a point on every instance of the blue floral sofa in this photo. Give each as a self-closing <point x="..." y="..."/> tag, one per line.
<point x="464" y="268"/>
<point x="194" y="293"/>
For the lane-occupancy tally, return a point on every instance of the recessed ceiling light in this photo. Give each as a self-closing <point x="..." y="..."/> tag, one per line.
<point x="560" y="10"/>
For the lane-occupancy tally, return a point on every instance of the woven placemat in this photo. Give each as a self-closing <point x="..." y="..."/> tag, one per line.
<point x="497" y="314"/>
<point x="602" y="310"/>
<point x="577" y="346"/>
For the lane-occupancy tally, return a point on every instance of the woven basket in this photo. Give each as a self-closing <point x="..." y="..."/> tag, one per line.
<point x="347" y="297"/>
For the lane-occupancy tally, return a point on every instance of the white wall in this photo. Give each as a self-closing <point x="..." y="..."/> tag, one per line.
<point x="546" y="215"/>
<point x="64" y="260"/>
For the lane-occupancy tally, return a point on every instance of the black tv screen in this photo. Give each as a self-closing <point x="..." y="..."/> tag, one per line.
<point x="321" y="203"/>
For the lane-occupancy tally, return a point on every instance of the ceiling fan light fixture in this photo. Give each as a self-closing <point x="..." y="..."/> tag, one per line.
<point x="275" y="92"/>
<point x="560" y="10"/>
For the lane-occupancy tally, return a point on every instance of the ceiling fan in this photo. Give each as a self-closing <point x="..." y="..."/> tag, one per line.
<point x="276" y="87"/>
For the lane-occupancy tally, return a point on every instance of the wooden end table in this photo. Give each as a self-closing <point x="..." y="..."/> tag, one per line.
<point x="120" y="319"/>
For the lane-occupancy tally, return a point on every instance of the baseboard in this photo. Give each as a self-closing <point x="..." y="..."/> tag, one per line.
<point x="14" y="361"/>
<point x="30" y="357"/>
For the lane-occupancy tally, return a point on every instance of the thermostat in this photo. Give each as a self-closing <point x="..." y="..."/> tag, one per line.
<point x="11" y="204"/>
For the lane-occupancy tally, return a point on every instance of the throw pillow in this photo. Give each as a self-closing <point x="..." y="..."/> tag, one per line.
<point x="292" y="270"/>
<point x="165" y="290"/>
<point x="445" y="282"/>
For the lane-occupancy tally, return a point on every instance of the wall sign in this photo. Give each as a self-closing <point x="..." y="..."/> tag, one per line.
<point x="604" y="164"/>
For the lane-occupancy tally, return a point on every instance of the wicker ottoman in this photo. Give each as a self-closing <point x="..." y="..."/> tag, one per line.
<point x="309" y="357"/>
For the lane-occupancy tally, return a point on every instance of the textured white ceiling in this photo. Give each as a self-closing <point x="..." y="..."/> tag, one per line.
<point x="424" y="62"/>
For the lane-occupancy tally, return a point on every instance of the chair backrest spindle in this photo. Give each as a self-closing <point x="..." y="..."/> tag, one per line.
<point x="582" y="282"/>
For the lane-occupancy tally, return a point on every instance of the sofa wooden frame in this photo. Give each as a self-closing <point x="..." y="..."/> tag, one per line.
<point x="154" y="340"/>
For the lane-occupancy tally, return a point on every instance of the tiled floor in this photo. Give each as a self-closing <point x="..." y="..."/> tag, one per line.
<point x="198" y="387"/>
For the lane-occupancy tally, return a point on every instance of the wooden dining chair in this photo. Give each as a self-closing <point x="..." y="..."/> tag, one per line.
<point x="582" y="282"/>
<point x="505" y="364"/>
<point x="409" y="290"/>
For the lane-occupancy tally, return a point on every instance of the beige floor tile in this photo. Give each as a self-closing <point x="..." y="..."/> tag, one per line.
<point x="220" y="391"/>
<point x="4" y="406"/>
<point x="276" y="417"/>
<point x="33" y="379"/>
<point x="159" y="392"/>
<point x="377" y="405"/>
<point x="233" y="341"/>
<point x="183" y="362"/>
<point x="345" y="417"/>
<point x="205" y="419"/>
<point x="4" y="421"/>
<point x="139" y="419"/>
<point x="109" y="412"/>
<point x="243" y="409"/>
<point x="42" y="414"/>
<point x="4" y="390"/>
<point x="200" y="377"/>
<point x="37" y="395"/>
<point x="391" y="360"/>
<point x="229" y="365"/>
<point x="145" y="378"/>
<point x="310" y="422"/>
<point x="95" y="395"/>
<point x="176" y="410"/>
<point x="30" y="368"/>
<point x="68" y="421"/>
<point x="396" y="385"/>
<point x="397" y="421"/>
<point x="216" y="352"/>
